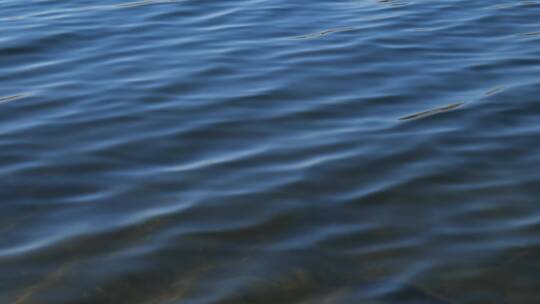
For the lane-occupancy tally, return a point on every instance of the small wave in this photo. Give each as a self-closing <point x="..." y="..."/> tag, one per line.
<point x="4" y="99"/>
<point x="494" y="91"/>
<point x="530" y="34"/>
<point x="324" y="33"/>
<point x="143" y="3"/>
<point x="433" y="111"/>
<point x="393" y="3"/>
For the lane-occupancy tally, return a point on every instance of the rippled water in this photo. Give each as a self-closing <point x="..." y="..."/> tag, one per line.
<point x="269" y="151"/>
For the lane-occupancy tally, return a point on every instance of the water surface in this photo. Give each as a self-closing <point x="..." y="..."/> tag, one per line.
<point x="269" y="151"/>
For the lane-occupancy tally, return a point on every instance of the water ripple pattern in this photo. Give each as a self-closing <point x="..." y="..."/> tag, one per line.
<point x="194" y="152"/>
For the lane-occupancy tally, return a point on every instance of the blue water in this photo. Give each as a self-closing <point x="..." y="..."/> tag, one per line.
<point x="269" y="151"/>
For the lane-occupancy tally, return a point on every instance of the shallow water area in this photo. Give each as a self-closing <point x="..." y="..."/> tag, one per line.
<point x="265" y="151"/>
